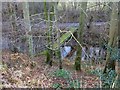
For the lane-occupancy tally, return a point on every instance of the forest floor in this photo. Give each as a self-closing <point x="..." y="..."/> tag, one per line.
<point x="21" y="72"/>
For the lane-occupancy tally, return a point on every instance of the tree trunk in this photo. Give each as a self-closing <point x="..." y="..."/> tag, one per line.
<point x="28" y="27"/>
<point x="48" y="38"/>
<point x="80" y="35"/>
<point x="58" y="35"/>
<point x="110" y="64"/>
<point x="118" y="69"/>
<point x="12" y="11"/>
<point x="49" y="17"/>
<point x="12" y="14"/>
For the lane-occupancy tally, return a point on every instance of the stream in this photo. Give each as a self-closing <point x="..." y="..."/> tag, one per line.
<point x="92" y="52"/>
<point x="6" y="44"/>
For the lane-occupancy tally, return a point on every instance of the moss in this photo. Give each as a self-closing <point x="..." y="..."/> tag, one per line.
<point x="77" y="64"/>
<point x="48" y="58"/>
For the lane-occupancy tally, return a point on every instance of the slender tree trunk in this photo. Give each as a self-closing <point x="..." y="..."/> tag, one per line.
<point x="80" y="35"/>
<point x="51" y="33"/>
<point x="58" y="35"/>
<point x="110" y="64"/>
<point x="12" y="15"/>
<point x="49" y="18"/>
<point x="48" y="38"/>
<point x="13" y="12"/>
<point x="28" y="27"/>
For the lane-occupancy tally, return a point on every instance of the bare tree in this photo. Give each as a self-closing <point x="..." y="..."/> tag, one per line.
<point x="28" y="26"/>
<point x="58" y="35"/>
<point x="110" y="64"/>
<point x="80" y="35"/>
<point x="49" y="16"/>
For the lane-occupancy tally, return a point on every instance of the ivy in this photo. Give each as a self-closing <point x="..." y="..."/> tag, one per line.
<point x="56" y="85"/>
<point x="114" y="52"/>
<point x="106" y="78"/>
<point x="74" y="84"/>
<point x="62" y="73"/>
<point x="66" y="75"/>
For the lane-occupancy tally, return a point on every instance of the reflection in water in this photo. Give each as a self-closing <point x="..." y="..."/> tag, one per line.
<point x="64" y="51"/>
<point x="92" y="53"/>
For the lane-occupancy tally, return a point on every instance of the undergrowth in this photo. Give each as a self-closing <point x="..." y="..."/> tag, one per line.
<point x="107" y="78"/>
<point x="67" y="76"/>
